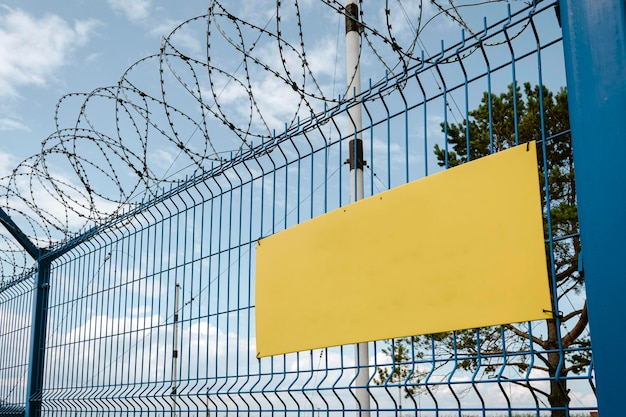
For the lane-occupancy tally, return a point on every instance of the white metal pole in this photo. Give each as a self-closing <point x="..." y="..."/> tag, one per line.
<point x="175" y="351"/>
<point x="355" y="160"/>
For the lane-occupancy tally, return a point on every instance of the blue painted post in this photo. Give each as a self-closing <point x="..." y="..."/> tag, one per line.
<point x="39" y="318"/>
<point x="37" y="340"/>
<point x="594" y="35"/>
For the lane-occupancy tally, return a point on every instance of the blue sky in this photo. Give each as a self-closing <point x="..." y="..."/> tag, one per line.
<point x="52" y="48"/>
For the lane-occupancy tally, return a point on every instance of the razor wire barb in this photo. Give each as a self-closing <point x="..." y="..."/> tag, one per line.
<point x="109" y="146"/>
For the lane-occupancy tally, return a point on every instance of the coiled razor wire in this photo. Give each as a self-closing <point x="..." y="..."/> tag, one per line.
<point x="185" y="109"/>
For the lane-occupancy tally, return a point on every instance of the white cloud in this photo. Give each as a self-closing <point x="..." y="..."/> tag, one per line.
<point x="11" y="124"/>
<point x="134" y="10"/>
<point x="321" y="59"/>
<point x="162" y="158"/>
<point x="33" y="49"/>
<point x="93" y="57"/>
<point x="185" y="39"/>
<point x="7" y="163"/>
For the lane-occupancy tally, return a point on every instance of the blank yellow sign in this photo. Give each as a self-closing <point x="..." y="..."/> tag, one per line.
<point x="460" y="249"/>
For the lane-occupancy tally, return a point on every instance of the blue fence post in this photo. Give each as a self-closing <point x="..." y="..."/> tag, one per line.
<point x="39" y="317"/>
<point x="38" y="339"/>
<point x="594" y="36"/>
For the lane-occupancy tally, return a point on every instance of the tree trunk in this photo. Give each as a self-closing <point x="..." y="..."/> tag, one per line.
<point x="557" y="397"/>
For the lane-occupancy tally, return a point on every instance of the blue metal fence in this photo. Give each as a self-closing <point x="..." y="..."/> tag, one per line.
<point x="152" y="311"/>
<point x="15" y="332"/>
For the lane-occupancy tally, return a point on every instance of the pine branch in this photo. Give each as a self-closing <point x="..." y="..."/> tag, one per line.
<point x="541" y="368"/>
<point x="578" y="329"/>
<point x="571" y="315"/>
<point x="569" y="271"/>
<point x="525" y="335"/>
<point x="544" y="360"/>
<point x="566" y="292"/>
<point x="526" y="385"/>
<point x="574" y="367"/>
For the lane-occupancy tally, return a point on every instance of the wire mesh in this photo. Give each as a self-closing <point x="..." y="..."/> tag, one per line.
<point x="152" y="312"/>
<point x="15" y="313"/>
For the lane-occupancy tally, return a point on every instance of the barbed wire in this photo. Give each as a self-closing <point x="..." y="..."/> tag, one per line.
<point x="185" y="108"/>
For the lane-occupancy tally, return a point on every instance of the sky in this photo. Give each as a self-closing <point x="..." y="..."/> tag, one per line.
<point x="65" y="67"/>
<point x="53" y="48"/>
<point x="49" y="49"/>
<point x="108" y="52"/>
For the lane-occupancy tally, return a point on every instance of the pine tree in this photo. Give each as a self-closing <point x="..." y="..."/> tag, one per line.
<point x="494" y="126"/>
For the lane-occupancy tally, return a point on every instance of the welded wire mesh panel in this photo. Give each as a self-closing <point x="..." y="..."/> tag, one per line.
<point x="15" y="320"/>
<point x="154" y="312"/>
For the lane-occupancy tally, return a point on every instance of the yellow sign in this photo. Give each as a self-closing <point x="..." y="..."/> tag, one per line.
<point x="460" y="249"/>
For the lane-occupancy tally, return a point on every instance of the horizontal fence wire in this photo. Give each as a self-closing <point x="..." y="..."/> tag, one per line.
<point x="153" y="311"/>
